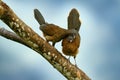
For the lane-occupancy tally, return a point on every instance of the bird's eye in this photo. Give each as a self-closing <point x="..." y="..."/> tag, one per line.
<point x="70" y="40"/>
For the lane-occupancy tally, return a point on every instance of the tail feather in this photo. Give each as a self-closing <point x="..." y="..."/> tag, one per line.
<point x="73" y="20"/>
<point x="38" y="16"/>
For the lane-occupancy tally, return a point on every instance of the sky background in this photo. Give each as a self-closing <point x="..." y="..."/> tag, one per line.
<point x="99" y="52"/>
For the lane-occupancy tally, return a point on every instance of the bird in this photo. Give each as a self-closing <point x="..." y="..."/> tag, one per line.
<point x="51" y="32"/>
<point x="71" y="43"/>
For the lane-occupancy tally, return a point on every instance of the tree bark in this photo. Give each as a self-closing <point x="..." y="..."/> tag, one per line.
<point x="25" y="35"/>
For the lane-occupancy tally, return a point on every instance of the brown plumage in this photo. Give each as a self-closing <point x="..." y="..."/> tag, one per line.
<point x="71" y="43"/>
<point x="54" y="33"/>
<point x="51" y="32"/>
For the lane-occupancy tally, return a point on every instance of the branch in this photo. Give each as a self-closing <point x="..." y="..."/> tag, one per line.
<point x="12" y="36"/>
<point x="35" y="42"/>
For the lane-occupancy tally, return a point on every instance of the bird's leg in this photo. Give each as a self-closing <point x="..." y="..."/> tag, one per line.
<point x="75" y="60"/>
<point x="53" y="44"/>
<point x="49" y="38"/>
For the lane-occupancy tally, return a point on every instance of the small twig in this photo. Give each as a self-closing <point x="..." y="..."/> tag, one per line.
<point x="12" y="36"/>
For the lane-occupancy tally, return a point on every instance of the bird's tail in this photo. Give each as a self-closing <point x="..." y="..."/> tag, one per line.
<point x="38" y="16"/>
<point x="73" y="20"/>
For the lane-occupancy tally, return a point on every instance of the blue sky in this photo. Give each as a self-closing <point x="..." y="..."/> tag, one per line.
<point x="99" y="51"/>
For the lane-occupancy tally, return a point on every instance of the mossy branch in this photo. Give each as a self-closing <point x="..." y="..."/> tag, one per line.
<point x="26" y="36"/>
